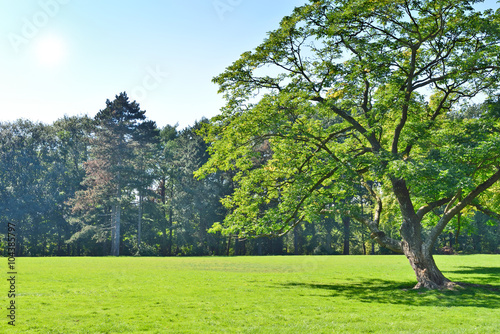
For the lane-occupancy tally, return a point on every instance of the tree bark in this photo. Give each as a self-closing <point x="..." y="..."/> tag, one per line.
<point x="419" y="254"/>
<point x="428" y="274"/>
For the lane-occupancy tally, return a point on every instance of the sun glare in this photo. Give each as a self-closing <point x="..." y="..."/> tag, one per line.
<point x="50" y="51"/>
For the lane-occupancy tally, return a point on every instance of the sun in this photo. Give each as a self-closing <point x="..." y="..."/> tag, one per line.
<point x="50" y="50"/>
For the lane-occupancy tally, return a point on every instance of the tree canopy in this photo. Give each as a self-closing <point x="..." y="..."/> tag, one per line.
<point x="371" y="94"/>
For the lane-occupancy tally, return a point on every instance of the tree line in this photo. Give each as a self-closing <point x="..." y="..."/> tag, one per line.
<point x="116" y="184"/>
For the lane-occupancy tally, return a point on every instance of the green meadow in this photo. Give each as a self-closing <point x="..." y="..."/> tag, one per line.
<point x="285" y="294"/>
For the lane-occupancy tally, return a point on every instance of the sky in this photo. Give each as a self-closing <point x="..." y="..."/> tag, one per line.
<point x="67" y="57"/>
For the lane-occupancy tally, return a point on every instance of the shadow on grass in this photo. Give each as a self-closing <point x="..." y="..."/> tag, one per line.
<point x="384" y="291"/>
<point x="480" y="275"/>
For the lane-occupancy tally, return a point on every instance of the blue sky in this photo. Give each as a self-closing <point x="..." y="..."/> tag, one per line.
<point x="62" y="57"/>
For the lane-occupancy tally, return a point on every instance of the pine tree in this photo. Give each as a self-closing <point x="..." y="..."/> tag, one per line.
<point x="110" y="171"/>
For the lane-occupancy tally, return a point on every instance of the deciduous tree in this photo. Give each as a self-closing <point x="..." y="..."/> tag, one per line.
<point x="360" y="93"/>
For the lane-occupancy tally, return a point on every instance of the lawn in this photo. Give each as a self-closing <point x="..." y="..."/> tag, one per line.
<point x="307" y="294"/>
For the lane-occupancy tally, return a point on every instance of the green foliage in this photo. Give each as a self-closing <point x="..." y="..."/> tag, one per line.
<point x="335" y="100"/>
<point x="40" y="169"/>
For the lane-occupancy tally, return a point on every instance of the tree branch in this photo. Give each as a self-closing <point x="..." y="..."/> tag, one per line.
<point x="451" y="212"/>
<point x="487" y="211"/>
<point x="422" y="211"/>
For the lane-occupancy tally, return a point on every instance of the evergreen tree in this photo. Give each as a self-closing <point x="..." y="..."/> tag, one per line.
<point x="110" y="172"/>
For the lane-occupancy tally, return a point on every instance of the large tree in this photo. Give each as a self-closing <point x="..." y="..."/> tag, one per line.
<point x="362" y="93"/>
<point x="111" y="174"/>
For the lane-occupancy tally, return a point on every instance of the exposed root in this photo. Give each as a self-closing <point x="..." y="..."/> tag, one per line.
<point x="452" y="286"/>
<point x="430" y="285"/>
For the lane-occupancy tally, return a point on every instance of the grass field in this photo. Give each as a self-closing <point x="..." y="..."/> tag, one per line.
<point x="321" y="294"/>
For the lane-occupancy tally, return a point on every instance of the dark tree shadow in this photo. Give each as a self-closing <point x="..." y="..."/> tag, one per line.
<point x="385" y="291"/>
<point x="482" y="275"/>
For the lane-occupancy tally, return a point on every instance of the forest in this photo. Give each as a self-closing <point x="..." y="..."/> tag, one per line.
<point x="116" y="184"/>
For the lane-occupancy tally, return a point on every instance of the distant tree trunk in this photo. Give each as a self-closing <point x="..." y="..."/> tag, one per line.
<point x="139" y="225"/>
<point x="59" y="241"/>
<point x="363" y="243"/>
<point x="164" y="240"/>
<point x="459" y="218"/>
<point x="258" y="246"/>
<point x="202" y="233"/>
<point x="105" y="248"/>
<point x="236" y="246"/>
<point x="328" y="241"/>
<point x="116" y="218"/>
<point x="228" y="245"/>
<point x="346" y="221"/>
<point x="457" y="234"/>
<point x="296" y="241"/>
<point x="171" y="231"/>
<point x="239" y="247"/>
<point x="171" y="220"/>
<point x="115" y="230"/>
<point x="78" y="248"/>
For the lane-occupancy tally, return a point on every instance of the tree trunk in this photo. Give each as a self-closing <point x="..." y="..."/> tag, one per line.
<point x="171" y="220"/>
<point x="296" y="237"/>
<point x="59" y="240"/>
<point x="164" y="240"/>
<point x="259" y="246"/>
<point x="328" y="241"/>
<point x="428" y="274"/>
<point x="457" y="234"/>
<point x="419" y="253"/>
<point x="139" y="225"/>
<point x="171" y="229"/>
<point x="115" y="231"/>
<point x="346" y="221"/>
<point x="228" y="245"/>
<point x="363" y="243"/>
